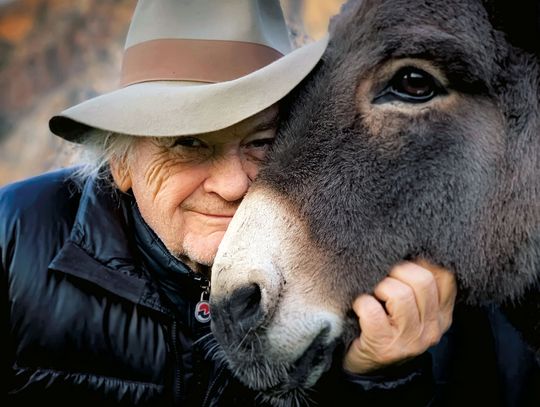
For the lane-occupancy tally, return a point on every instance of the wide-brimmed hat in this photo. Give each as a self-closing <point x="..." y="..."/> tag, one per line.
<point x="195" y="66"/>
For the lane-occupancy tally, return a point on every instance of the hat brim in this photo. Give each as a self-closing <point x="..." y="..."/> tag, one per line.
<point x="169" y="108"/>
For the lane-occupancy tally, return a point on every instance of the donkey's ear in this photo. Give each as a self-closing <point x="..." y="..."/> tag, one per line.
<point x="520" y="20"/>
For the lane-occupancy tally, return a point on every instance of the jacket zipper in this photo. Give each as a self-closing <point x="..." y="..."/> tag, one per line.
<point x="178" y="370"/>
<point x="211" y="386"/>
<point x="204" y="284"/>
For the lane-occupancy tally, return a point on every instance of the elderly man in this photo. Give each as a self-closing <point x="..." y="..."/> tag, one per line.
<point x="105" y="266"/>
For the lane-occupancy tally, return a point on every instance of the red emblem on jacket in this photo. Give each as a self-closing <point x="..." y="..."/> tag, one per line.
<point x="202" y="312"/>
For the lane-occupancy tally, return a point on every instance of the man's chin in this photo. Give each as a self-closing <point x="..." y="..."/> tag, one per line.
<point x="200" y="255"/>
<point x="200" y="250"/>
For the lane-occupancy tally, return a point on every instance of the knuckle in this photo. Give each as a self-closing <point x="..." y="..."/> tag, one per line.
<point x="369" y="313"/>
<point x="446" y="323"/>
<point x="420" y="279"/>
<point x="425" y="282"/>
<point x="404" y="293"/>
<point x="418" y="270"/>
<point x="432" y="337"/>
<point x="433" y="340"/>
<point x="448" y="277"/>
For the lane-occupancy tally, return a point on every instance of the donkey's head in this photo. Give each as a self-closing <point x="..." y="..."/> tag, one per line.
<point x="416" y="136"/>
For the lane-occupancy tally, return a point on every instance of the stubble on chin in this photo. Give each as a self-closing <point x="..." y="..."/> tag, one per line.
<point x="196" y="259"/>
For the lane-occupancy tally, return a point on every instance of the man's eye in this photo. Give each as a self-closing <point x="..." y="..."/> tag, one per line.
<point x="411" y="85"/>
<point x="260" y="143"/>
<point x="190" y="142"/>
<point x="257" y="149"/>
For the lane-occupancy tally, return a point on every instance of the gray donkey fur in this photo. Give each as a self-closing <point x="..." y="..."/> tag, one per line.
<point x="460" y="186"/>
<point x="451" y="174"/>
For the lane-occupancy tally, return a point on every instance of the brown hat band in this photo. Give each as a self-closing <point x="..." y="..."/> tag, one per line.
<point x="193" y="60"/>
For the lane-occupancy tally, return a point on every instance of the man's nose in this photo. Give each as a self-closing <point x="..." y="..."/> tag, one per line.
<point x="228" y="178"/>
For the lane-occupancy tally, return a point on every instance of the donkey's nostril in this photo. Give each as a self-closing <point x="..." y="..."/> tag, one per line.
<point x="245" y="306"/>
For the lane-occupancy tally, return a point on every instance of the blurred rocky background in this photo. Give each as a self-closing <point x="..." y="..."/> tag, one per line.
<point x="56" y="53"/>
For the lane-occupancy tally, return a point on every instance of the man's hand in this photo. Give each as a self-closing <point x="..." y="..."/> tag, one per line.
<point x="418" y="304"/>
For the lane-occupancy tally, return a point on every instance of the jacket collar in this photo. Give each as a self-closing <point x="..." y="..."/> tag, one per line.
<point x="101" y="248"/>
<point x="181" y="285"/>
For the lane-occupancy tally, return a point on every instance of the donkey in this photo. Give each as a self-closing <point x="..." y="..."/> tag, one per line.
<point x="417" y="136"/>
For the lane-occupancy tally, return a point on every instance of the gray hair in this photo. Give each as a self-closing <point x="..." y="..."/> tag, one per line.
<point x="96" y="151"/>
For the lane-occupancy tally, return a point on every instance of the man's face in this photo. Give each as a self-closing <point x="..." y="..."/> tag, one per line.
<point x="189" y="187"/>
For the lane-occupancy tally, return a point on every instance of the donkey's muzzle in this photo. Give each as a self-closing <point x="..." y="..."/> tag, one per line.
<point x="238" y="313"/>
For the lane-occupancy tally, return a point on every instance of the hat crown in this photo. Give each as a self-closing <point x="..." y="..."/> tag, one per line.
<point x="195" y="66"/>
<point x="252" y="21"/>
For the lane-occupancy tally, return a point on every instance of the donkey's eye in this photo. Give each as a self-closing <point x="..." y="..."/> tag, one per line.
<point x="410" y="85"/>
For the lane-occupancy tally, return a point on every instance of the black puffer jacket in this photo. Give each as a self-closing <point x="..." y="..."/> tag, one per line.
<point x="86" y="322"/>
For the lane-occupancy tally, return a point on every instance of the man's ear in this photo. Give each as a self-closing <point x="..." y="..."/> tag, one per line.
<point x="121" y="174"/>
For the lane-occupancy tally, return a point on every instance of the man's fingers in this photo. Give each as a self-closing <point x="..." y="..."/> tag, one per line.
<point x="447" y="289"/>
<point x="371" y="315"/>
<point x="423" y="284"/>
<point x="417" y="310"/>
<point x="399" y="301"/>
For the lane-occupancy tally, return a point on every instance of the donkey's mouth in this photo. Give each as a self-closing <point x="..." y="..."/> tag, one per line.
<point x="316" y="359"/>
<point x="302" y="374"/>
<point x="306" y="370"/>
